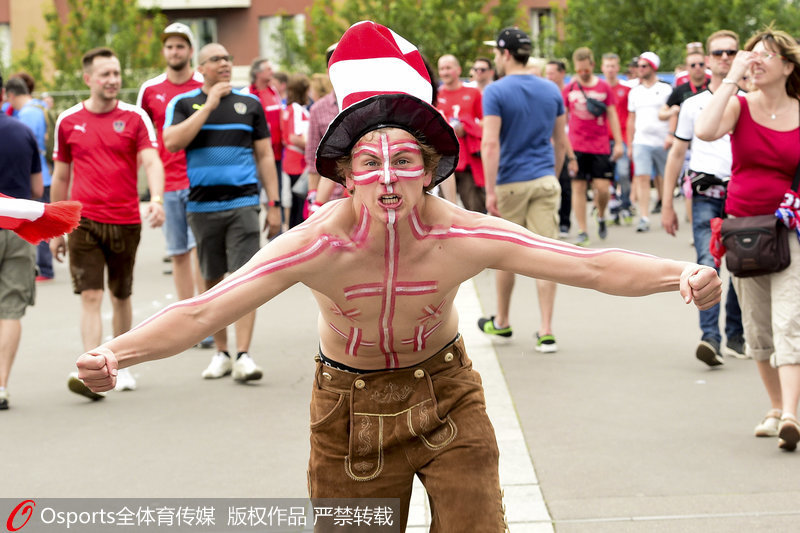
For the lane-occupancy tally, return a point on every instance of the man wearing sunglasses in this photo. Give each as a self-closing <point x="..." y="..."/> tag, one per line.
<point x="228" y="149"/>
<point x="647" y="134"/>
<point x="481" y="73"/>
<point x="709" y="172"/>
<point x="698" y="80"/>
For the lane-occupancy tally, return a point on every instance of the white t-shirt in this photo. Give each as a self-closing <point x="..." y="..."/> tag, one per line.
<point x="645" y="102"/>
<point x="709" y="157"/>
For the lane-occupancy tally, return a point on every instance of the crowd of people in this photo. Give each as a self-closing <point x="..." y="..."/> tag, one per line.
<point x="351" y="178"/>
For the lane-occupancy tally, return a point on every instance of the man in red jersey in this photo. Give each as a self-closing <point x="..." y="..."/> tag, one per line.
<point x="98" y="142"/>
<point x="462" y="108"/>
<point x="592" y="112"/>
<point x="154" y="95"/>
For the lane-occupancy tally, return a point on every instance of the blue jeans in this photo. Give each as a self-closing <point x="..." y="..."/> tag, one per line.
<point x="177" y="232"/>
<point x="44" y="258"/>
<point x="622" y="173"/>
<point x="704" y="209"/>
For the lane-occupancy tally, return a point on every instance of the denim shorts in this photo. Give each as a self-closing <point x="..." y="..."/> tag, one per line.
<point x="177" y="232"/>
<point x="649" y="160"/>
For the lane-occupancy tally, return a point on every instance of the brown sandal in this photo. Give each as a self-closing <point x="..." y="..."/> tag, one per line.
<point x="789" y="433"/>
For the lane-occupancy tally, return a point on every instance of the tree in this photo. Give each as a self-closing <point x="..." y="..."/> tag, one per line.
<point x="629" y="27"/>
<point x="30" y="60"/>
<point x="132" y="33"/>
<point x="436" y="27"/>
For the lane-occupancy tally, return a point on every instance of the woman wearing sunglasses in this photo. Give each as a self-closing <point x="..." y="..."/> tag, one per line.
<point x="765" y="141"/>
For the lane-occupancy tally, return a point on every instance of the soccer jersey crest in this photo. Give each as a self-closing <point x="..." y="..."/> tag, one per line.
<point x="240" y="108"/>
<point x="119" y="126"/>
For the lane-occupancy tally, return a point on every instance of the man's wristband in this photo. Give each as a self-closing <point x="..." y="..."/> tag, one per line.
<point x="157" y="199"/>
<point x="728" y="80"/>
<point x="274" y="203"/>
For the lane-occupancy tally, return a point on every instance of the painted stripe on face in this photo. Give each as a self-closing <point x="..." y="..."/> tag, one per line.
<point x="387" y="173"/>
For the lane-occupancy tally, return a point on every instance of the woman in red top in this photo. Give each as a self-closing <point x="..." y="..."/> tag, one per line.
<point x="766" y="152"/>
<point x="294" y="128"/>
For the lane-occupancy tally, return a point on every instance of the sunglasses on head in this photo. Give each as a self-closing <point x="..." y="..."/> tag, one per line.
<point x="718" y="53"/>
<point x="700" y="64"/>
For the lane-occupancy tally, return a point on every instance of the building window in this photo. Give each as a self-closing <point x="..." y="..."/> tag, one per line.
<point x="204" y="30"/>
<point x="543" y="32"/>
<point x="5" y="46"/>
<point x="277" y="35"/>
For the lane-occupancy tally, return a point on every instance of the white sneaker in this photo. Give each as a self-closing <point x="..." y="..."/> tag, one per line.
<point x="79" y="387"/>
<point x="125" y="380"/>
<point x="219" y="366"/>
<point x="245" y="369"/>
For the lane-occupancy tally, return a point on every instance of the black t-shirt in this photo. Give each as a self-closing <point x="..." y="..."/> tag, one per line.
<point x="682" y="92"/>
<point x="19" y="157"/>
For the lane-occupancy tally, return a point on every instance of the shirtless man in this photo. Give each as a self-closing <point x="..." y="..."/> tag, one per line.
<point x="384" y="266"/>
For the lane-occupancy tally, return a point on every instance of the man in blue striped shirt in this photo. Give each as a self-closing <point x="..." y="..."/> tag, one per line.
<point x="227" y="143"/>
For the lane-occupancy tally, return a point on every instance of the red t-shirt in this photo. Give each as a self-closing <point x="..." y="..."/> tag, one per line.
<point x="271" y="102"/>
<point x="102" y="148"/>
<point x="465" y="105"/>
<point x="295" y="122"/>
<point x="764" y="163"/>
<point x="621" y="96"/>
<point x="588" y="133"/>
<point x="154" y="96"/>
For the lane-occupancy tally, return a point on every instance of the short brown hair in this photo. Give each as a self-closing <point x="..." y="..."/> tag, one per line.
<point x="89" y="57"/>
<point x="297" y="89"/>
<point x="721" y="33"/>
<point x="786" y="45"/>
<point x="27" y="78"/>
<point x="430" y="157"/>
<point x="581" y="54"/>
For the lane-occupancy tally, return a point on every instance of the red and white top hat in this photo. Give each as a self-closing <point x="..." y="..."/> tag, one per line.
<point x="381" y="81"/>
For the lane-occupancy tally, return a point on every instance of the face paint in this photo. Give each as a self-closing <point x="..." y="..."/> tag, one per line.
<point x="421" y="232"/>
<point x="354" y="340"/>
<point x="291" y="259"/>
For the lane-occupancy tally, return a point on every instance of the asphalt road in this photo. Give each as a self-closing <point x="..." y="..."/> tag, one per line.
<point x="626" y="430"/>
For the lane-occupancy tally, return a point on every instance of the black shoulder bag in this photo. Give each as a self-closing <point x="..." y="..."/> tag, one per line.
<point x="757" y="245"/>
<point x="593" y="105"/>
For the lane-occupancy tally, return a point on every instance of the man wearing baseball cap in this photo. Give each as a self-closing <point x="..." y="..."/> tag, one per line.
<point x="394" y="393"/>
<point x="154" y="95"/>
<point x="521" y="114"/>
<point x="648" y="141"/>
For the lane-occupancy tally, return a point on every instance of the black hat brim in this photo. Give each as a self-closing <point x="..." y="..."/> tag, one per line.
<point x="391" y="111"/>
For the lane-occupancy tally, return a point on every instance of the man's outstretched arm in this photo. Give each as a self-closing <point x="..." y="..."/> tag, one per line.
<point x="179" y="326"/>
